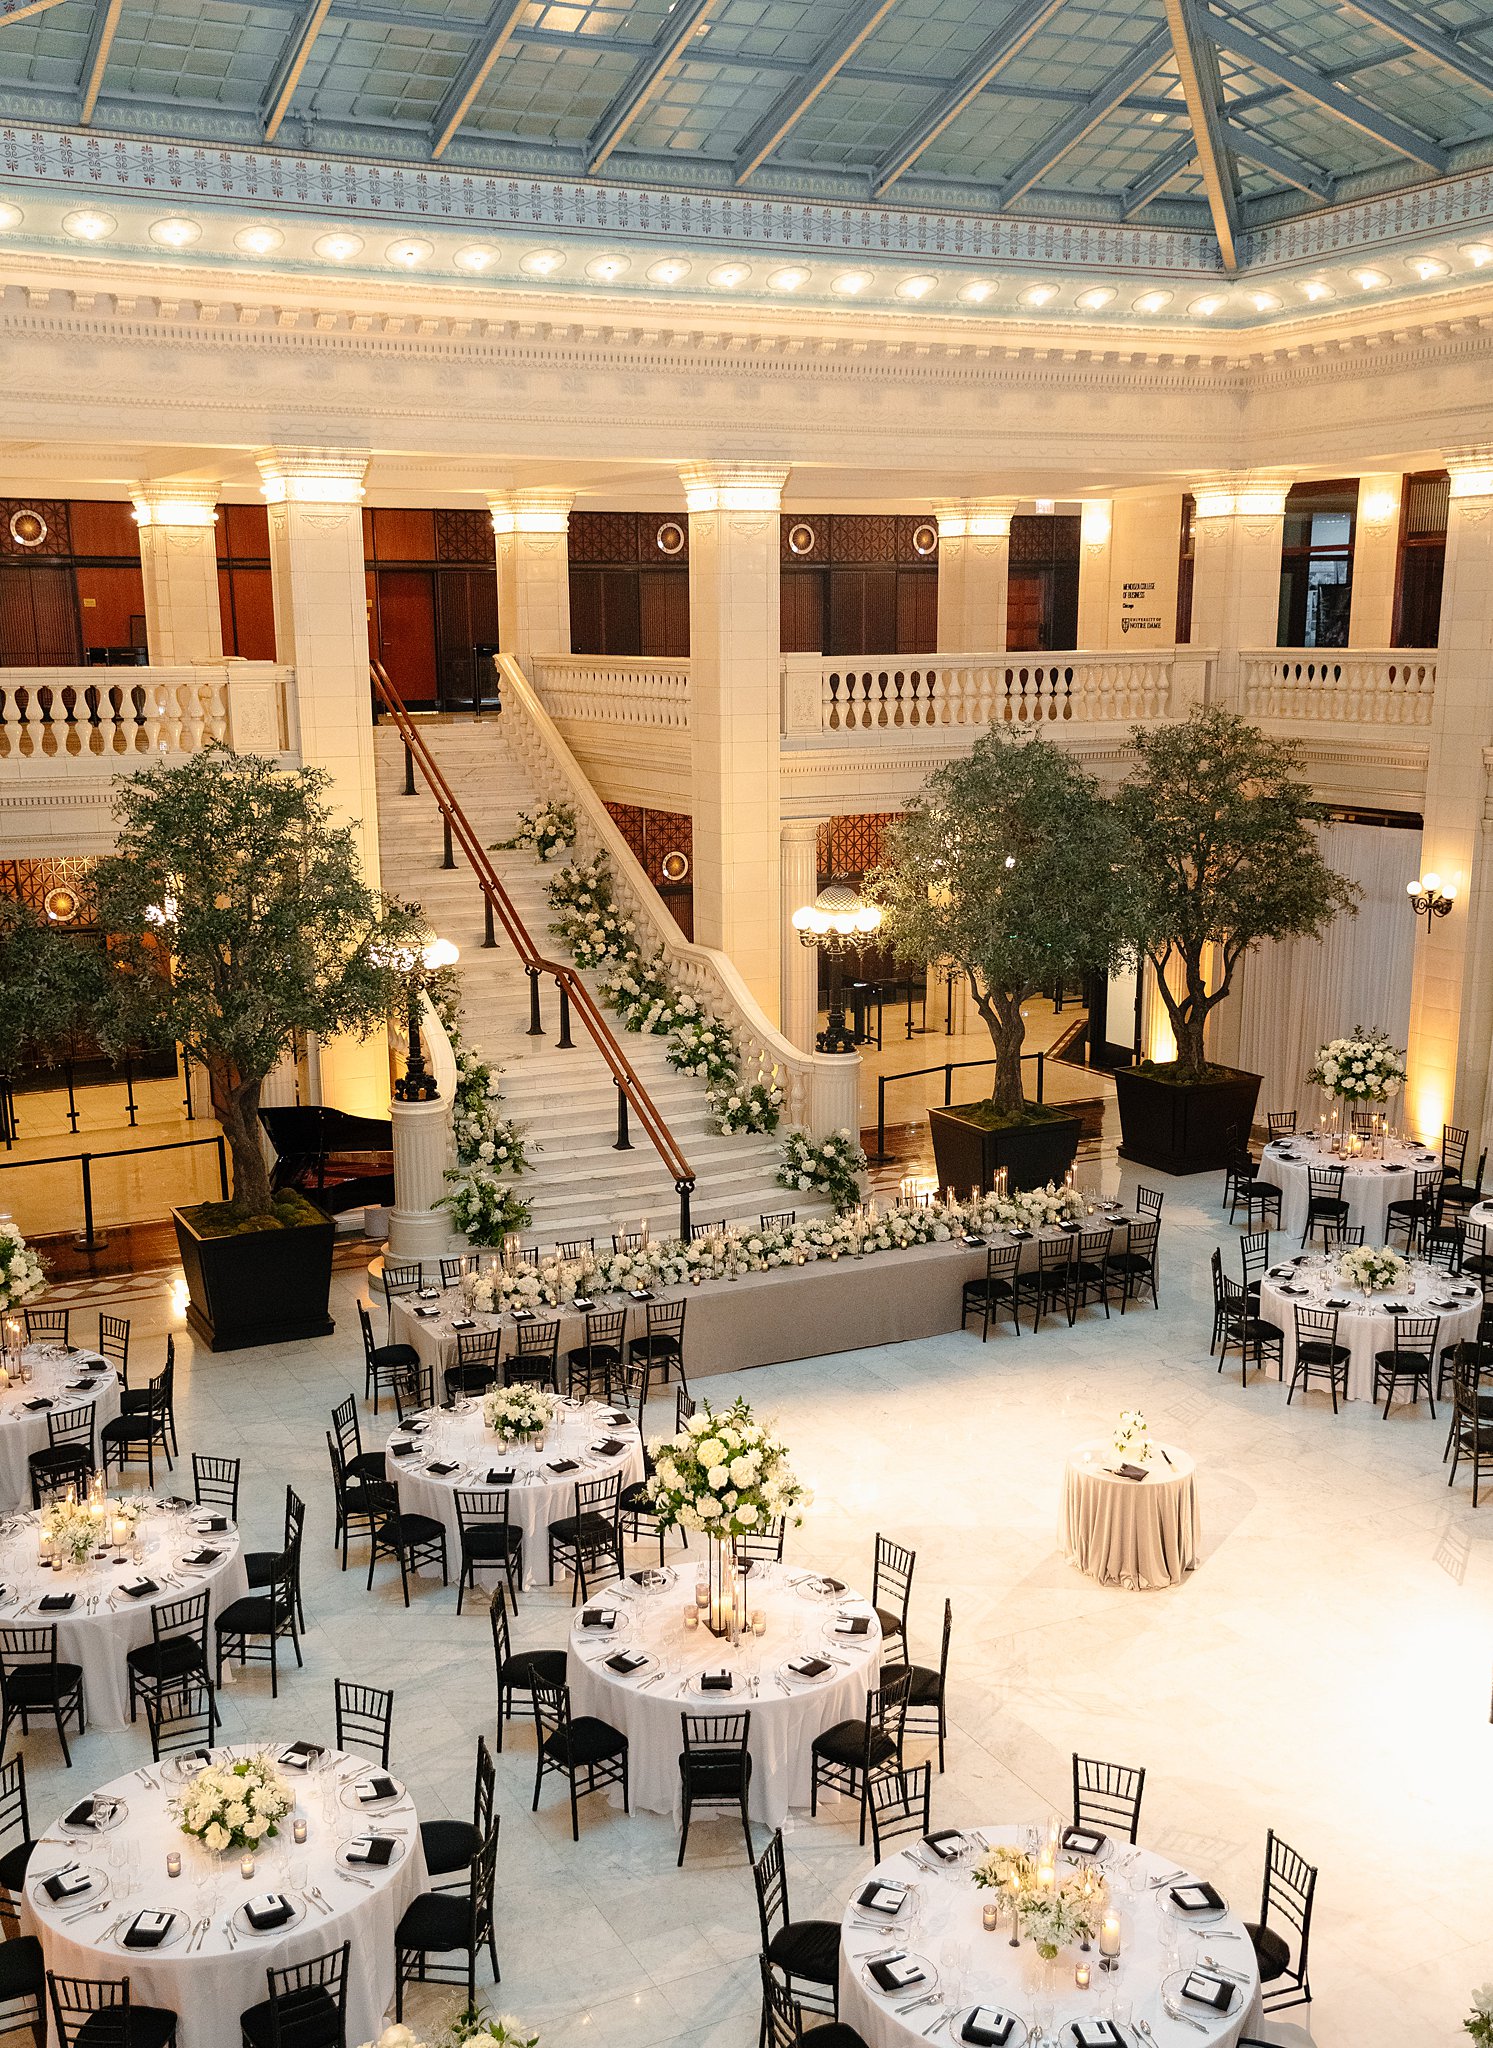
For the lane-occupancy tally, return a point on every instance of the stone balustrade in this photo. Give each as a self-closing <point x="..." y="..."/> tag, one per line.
<point x="622" y="691"/>
<point x="875" y="695"/>
<point x="107" y="719"/>
<point x="1353" y="685"/>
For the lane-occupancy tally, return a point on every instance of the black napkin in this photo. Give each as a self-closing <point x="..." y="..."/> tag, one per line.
<point x="1203" y="1988"/>
<point x="203" y="1557"/>
<point x="428" y="1315"/>
<point x="214" y="1525"/>
<point x="972" y="1243"/>
<point x="68" y="1884"/>
<point x="80" y="1386"/>
<point x="808" y="1667"/>
<point x="609" y="1448"/>
<point x="148" y="1930"/>
<point x="641" y="1293"/>
<point x="1083" y="1841"/>
<point x="1096" y="2034"/>
<point x="523" y="1315"/>
<point x="583" y="1301"/>
<point x="1197" y="1897"/>
<point x="496" y="1478"/>
<point x="380" y="1849"/>
<point x="563" y="1465"/>
<point x="441" y="1469"/>
<point x="830" y="1585"/>
<point x="617" y="1421"/>
<point x="140" y="1588"/>
<point x="462" y="1323"/>
<point x="42" y="1403"/>
<point x="270" y="1911"/>
<point x="852" y="1624"/>
<point x="1337" y="1301"/>
<point x="716" y="1681"/>
<point x="299" y="1756"/>
<point x="945" y="1845"/>
<point x="380" y="1787"/>
<point x="1131" y="1471"/>
<point x="627" y="1661"/>
<point x="598" y="1617"/>
<point x="1395" y="1308"/>
<point x="897" y="1973"/>
<point x="82" y="1814"/>
<point x="883" y="1898"/>
<point x="56" y="1603"/>
<point x="430" y="1294"/>
<point x="402" y="1450"/>
<point x="987" y="2029"/>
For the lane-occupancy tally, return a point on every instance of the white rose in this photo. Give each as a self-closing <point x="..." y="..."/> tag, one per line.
<point x="216" y="1837"/>
<point x="709" y="1507"/>
<point x="718" y="1478"/>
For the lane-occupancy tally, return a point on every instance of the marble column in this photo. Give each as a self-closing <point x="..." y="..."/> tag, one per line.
<point x="800" y="962"/>
<point x="735" y="715"/>
<point x="974" y="558"/>
<point x="531" y="541"/>
<point x="1376" y="552"/>
<point x="179" y="568"/>
<point x="321" y="629"/>
<point x="1451" y="1004"/>
<point x="1238" y="529"/>
<point x="1096" y="525"/>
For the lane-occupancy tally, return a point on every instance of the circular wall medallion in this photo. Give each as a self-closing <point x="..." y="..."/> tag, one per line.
<point x="925" y="539"/>
<point x="62" y="905"/>
<point x="801" y="538"/>
<point x="674" y="866"/>
<point x="670" y="538"/>
<point x="27" y="529"/>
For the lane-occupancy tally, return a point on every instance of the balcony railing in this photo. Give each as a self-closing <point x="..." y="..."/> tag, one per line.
<point x="622" y="691"/>
<point x="880" y="695"/>
<point x="106" y="719"/>
<point x="1353" y="685"/>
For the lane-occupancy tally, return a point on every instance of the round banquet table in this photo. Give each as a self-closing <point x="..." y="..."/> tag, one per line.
<point x="786" y="1712"/>
<point x="971" y="1967"/>
<point x="1137" y="1533"/>
<point x="60" y="1379"/>
<point x="212" y="1984"/>
<point x="537" y="1495"/>
<point x="1369" y="1185"/>
<point x="104" y="1622"/>
<point x="1368" y="1326"/>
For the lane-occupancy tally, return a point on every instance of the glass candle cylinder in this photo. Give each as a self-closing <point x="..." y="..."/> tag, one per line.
<point x="298" y="1831"/>
<point x="990" y="1916"/>
<point x="692" y="1616"/>
<point x="173" y="1863"/>
<point x="1081" y="1976"/>
<point x="246" y="1868"/>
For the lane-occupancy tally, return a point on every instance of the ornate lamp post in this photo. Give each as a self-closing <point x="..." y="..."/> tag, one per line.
<point x="837" y="922"/>
<point x="418" y="1083"/>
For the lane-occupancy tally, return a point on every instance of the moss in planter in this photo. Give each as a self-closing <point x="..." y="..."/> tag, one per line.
<point x="988" y="1118"/>
<point x="291" y="1211"/>
<point x="1170" y="1071"/>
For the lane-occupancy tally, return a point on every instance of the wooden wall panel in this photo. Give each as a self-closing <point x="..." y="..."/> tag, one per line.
<point x="103" y="529"/>
<point x="111" y="604"/>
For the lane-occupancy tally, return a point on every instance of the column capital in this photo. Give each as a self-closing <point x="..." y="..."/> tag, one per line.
<point x="1241" y="497"/>
<point x="312" y="476"/>
<point x="1095" y="522"/>
<point x="800" y="830"/>
<point x="734" y="486"/>
<point x="1471" y="469"/>
<point x="530" y="511"/>
<point x="162" y="503"/>
<point x="975" y="518"/>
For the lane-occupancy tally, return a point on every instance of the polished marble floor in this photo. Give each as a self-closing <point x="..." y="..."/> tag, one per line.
<point x="1326" y="1671"/>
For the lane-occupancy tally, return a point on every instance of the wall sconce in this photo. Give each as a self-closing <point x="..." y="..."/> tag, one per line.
<point x="1431" y="898"/>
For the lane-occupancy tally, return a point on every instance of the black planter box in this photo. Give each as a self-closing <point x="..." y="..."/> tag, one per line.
<point x="1184" y="1127"/>
<point x="968" y="1155"/>
<point x="261" y="1287"/>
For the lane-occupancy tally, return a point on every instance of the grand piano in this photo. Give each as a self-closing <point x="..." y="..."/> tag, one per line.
<point x="336" y="1160"/>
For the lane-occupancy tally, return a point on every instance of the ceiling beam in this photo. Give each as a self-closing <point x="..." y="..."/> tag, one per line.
<point x="100" y="42"/>
<point x="679" y="28"/>
<point x="993" y="55"/>
<point x="1170" y="164"/>
<point x="1280" y="163"/>
<point x="497" y="33"/>
<point x="1119" y="84"/>
<point x="1431" y="41"/>
<point x="1202" y="88"/>
<point x="791" y="106"/>
<point x="1325" y="92"/>
<point x="292" y="62"/>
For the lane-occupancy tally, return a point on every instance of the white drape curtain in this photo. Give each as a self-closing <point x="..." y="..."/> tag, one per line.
<point x="1297" y="993"/>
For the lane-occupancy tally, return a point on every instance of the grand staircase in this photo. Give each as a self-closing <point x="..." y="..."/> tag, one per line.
<point x="565" y="1102"/>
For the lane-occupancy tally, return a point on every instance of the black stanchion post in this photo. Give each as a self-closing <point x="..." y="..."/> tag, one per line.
<point x="489" y="936"/>
<point x="448" y="858"/>
<point x="129" y="1092"/>
<point x="87" y="1242"/>
<point x="72" y="1100"/>
<point x="684" y="1188"/>
<point x="222" y="1167"/>
<point x="409" y="770"/>
<point x="624" y="1142"/>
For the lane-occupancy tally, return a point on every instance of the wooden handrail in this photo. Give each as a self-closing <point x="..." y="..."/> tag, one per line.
<point x="572" y="989"/>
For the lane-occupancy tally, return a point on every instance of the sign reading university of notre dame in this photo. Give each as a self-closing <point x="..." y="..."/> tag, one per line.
<point x="1133" y="596"/>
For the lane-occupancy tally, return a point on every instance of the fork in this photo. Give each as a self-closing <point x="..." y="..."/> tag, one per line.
<point x="1175" y="2012"/>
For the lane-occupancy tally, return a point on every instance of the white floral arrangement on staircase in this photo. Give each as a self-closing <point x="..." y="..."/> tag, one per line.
<point x="706" y="1048"/>
<point x="833" y="1166"/>
<point x="746" y="1106"/>
<point x="22" y="1275"/>
<point x="549" y="831"/>
<point x="490" y="1150"/>
<point x="1375" y="1271"/>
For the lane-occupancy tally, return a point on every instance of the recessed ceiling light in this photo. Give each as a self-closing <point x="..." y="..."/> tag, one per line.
<point x="787" y="280"/>
<point x="1477" y="254"/>
<point x="1096" y="298"/>
<point x="475" y="259"/>
<point x="729" y="275"/>
<point x="1039" y="294"/>
<point x="1207" y="306"/>
<point x="669" y="271"/>
<point x="1264" y="302"/>
<point x="849" y="282"/>
<point x="89" y="226"/>
<point x="10" y="216"/>
<point x="1427" y="267"/>
<point x="258" y="241"/>
<point x="410" y="251"/>
<point x="1044" y="505"/>
<point x="1369" y="280"/>
<point x="606" y="268"/>
<point x="916" y="287"/>
<point x="542" y="262"/>
<point x="1315" y="289"/>
<point x="977" y="291"/>
<point x="1152" y="302"/>
<point x="175" y="232"/>
<point x="340" y="247"/>
<point x="1158" y="118"/>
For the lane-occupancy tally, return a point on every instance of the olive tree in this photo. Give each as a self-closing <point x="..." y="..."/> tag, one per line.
<point x="49" y="984"/>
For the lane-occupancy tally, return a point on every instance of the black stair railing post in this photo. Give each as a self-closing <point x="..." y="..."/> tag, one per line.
<point x="624" y="1142"/>
<point x="564" y="1043"/>
<point x="409" y="770"/>
<point x="684" y="1188"/>
<point x="448" y="857"/>
<point x="489" y="936"/>
<point x="536" y="1022"/>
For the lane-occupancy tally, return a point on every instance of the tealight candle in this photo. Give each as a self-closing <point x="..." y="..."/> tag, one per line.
<point x="990" y="1917"/>
<point x="692" y="1616"/>
<point x="298" y="1832"/>
<point x="173" y="1863"/>
<point x="1081" y="1976"/>
<point x="246" y="1868"/>
<point x="759" y="1623"/>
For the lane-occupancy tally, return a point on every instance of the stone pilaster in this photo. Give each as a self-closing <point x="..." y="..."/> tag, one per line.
<point x="1238" y="530"/>
<point x="531" y="543"/>
<point x="179" y="567"/>
<point x="1376" y="550"/>
<point x="974" y="559"/>
<point x="800" y="962"/>
<point x="1096" y="527"/>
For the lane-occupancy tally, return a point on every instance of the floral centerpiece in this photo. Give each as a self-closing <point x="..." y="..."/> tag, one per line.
<point x="1051" y="1909"/>
<point x="1132" y="1440"/>
<point x="1039" y="1208"/>
<point x="547" y="831"/>
<point x="232" y="1806"/>
<point x="21" y="1273"/>
<point x="1375" y="1271"/>
<point x="515" y="1412"/>
<point x="726" y="1474"/>
<point x="1363" y="1068"/>
<point x="466" y="2024"/>
<point x="72" y="1528"/>
<point x="1479" y="2022"/>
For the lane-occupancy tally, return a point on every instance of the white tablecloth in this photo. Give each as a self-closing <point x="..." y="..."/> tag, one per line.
<point x="1137" y="1533"/>
<point x="97" y="1637"/>
<point x="1369" y="1185"/>
<point x="983" y="1968"/>
<point x="787" y="1713"/>
<point x="1367" y="1327"/>
<point x="537" y="1497"/>
<point x="210" y="1987"/>
<point x="24" y="1430"/>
